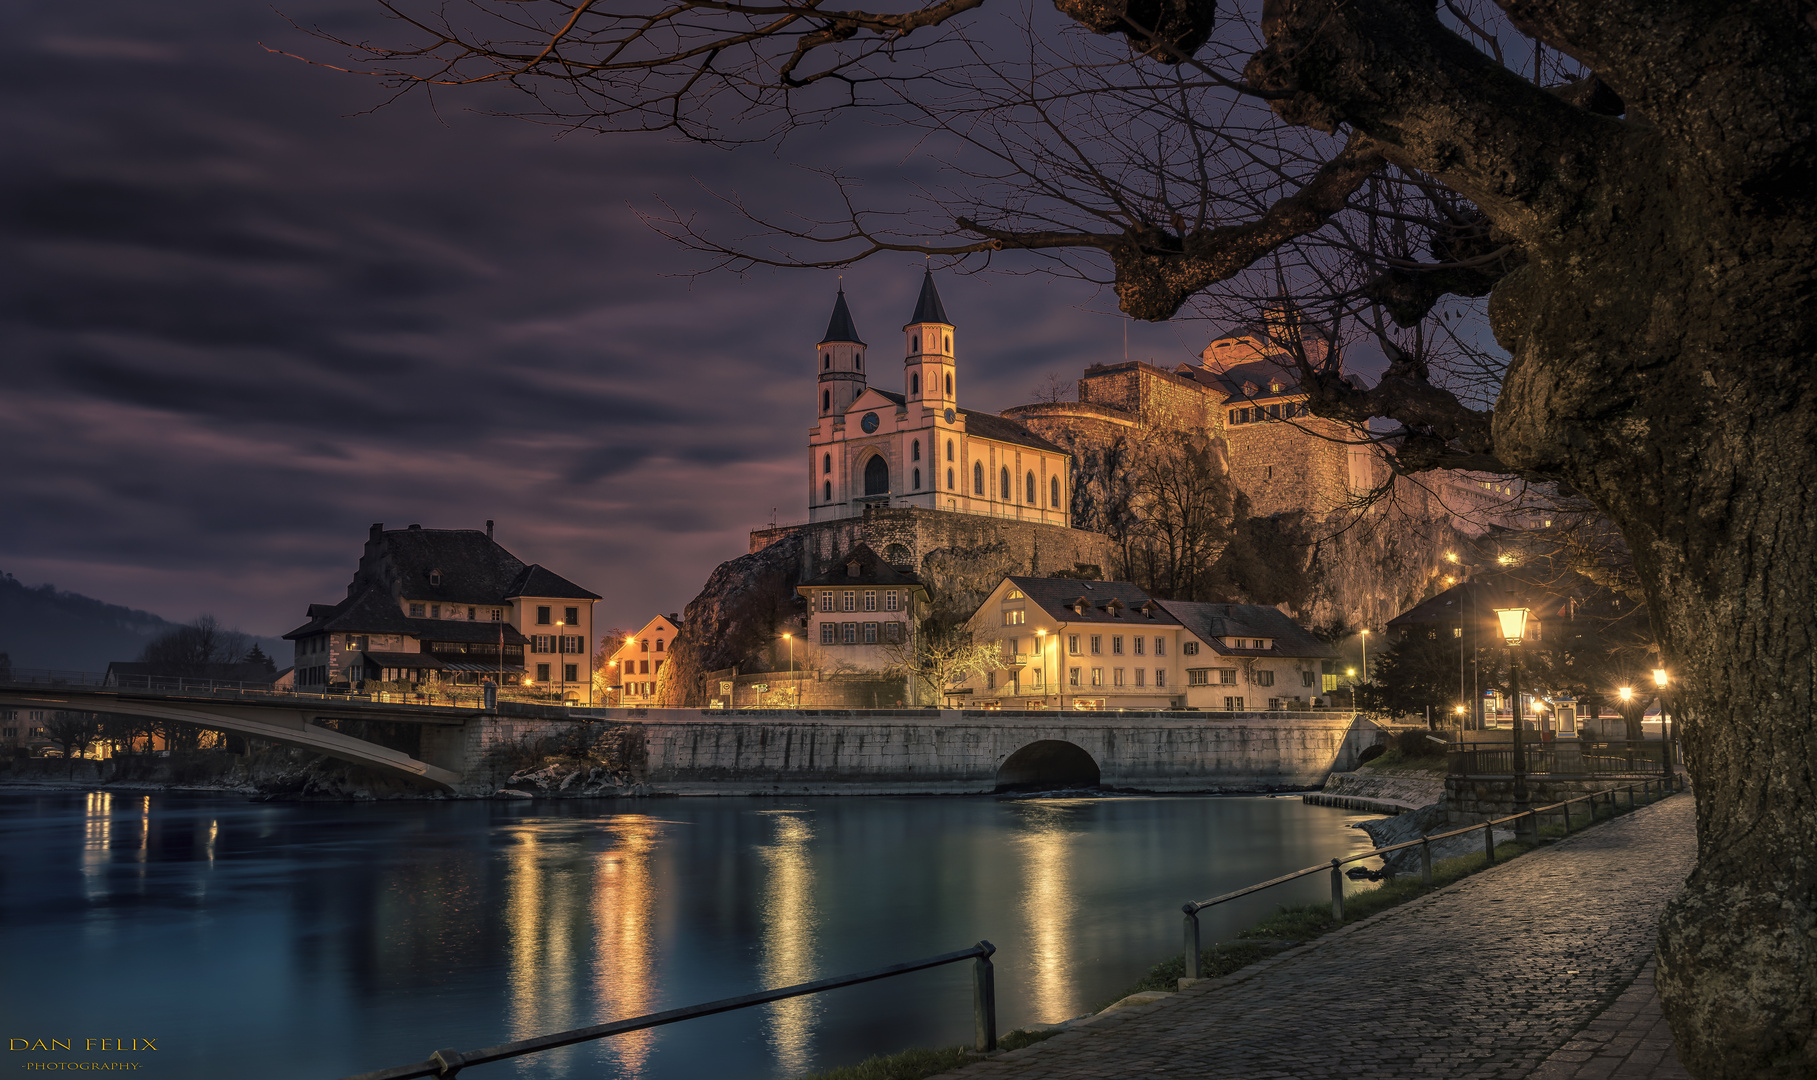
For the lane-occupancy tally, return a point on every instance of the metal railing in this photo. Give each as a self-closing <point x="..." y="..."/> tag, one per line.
<point x="1574" y="758"/>
<point x="1651" y="789"/>
<point x="446" y="1063"/>
<point x="170" y="684"/>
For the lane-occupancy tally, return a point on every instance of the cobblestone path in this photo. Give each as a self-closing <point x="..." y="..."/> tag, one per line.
<point x="1485" y="978"/>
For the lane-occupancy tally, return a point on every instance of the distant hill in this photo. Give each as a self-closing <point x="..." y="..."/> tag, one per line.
<point x="43" y="627"/>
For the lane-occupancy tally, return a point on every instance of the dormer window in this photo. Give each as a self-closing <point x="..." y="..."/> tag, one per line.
<point x="435" y="578"/>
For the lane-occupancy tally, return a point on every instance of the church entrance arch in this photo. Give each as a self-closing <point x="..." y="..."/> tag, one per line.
<point x="1047" y="764"/>
<point x="877" y="476"/>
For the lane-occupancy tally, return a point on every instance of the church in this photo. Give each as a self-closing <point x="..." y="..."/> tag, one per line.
<point x="872" y="448"/>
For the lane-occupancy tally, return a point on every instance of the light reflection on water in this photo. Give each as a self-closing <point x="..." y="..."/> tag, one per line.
<point x="363" y="936"/>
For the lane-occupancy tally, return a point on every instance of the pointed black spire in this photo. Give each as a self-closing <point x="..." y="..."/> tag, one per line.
<point x="929" y="308"/>
<point x="839" y="327"/>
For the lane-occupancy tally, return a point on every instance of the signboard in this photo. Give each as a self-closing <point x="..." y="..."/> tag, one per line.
<point x="761" y="687"/>
<point x="725" y="686"/>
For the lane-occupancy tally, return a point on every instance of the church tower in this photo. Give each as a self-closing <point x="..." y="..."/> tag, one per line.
<point x="841" y="358"/>
<point x="929" y="373"/>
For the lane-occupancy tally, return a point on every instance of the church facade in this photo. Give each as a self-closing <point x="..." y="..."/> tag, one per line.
<point x="872" y="448"/>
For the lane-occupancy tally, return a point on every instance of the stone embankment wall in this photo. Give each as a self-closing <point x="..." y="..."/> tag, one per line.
<point x="1380" y="792"/>
<point x="1472" y="799"/>
<point x="930" y="751"/>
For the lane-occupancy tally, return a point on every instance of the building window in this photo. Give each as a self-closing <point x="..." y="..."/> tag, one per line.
<point x="540" y="643"/>
<point x="1032" y="501"/>
<point x="1139" y="641"/>
<point x="542" y="673"/>
<point x="849" y="633"/>
<point x="1116" y="644"/>
<point x="1264" y="678"/>
<point x="917" y="480"/>
<point x="1003" y="489"/>
<point x="828" y="633"/>
<point x="949" y="452"/>
<point x="826" y="401"/>
<point x="848" y="601"/>
<point x="892" y="601"/>
<point x="1015" y="618"/>
<point x="1189" y="648"/>
<point x="858" y="360"/>
<point x="870" y="599"/>
<point x="1072" y="644"/>
<point x="643" y="667"/>
<point x="1227" y="676"/>
<point x="1118" y="676"/>
<point x="644" y="645"/>
<point x="435" y="611"/>
<point x="1072" y="676"/>
<point x="658" y="644"/>
<point x="949" y="386"/>
<point x="1141" y="674"/>
<point x="915" y="451"/>
<point x="542" y="616"/>
<point x="1160" y="678"/>
<point x="826" y="600"/>
<point x="1305" y="678"/>
<point x="826" y="492"/>
<point x="416" y="611"/>
<point x="870" y="633"/>
<point x="1035" y="677"/>
<point x="990" y="680"/>
<point x="570" y="672"/>
<point x="894" y="633"/>
<point x="1233" y="704"/>
<point x="1097" y="644"/>
<point x="914" y="384"/>
<point x="470" y="614"/>
<point x="949" y="479"/>
<point x="1097" y="676"/>
<point x="1160" y="646"/>
<point x="949" y="343"/>
<point x="977" y="477"/>
<point x="1053" y="492"/>
<point x="435" y="578"/>
<point x="826" y="464"/>
<point x="571" y="616"/>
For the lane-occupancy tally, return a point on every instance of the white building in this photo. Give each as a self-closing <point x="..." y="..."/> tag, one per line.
<point x="873" y="447"/>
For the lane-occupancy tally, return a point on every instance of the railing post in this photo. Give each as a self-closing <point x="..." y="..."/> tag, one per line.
<point x="1426" y="861"/>
<point x="1489" y="841"/>
<point x="984" y="999"/>
<point x="1533" y="825"/>
<point x="1192" y="940"/>
<point x="1567" y="809"/>
<point x="1337" y="892"/>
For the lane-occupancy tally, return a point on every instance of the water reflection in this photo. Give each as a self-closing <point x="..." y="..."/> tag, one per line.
<point x="1050" y="900"/>
<point x="97" y="837"/>
<point x="790" y="925"/>
<point x="624" y="952"/>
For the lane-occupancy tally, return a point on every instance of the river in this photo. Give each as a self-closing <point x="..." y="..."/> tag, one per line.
<point x="290" y="941"/>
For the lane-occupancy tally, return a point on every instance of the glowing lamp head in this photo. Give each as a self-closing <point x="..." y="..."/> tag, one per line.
<point x="787" y="636"/>
<point x="1659" y="677"/>
<point x="1514" y="623"/>
<point x="527" y="680"/>
<point x="1626" y="693"/>
<point x="1450" y="556"/>
<point x="1458" y="709"/>
<point x="1350" y="672"/>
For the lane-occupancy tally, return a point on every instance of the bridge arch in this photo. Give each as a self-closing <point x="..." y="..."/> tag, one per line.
<point x="1048" y="763"/>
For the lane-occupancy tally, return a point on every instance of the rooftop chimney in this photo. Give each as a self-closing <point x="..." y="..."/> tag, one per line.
<point x="417" y="527"/>
<point x="488" y="528"/>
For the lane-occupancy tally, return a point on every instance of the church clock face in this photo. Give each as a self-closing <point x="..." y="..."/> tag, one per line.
<point x="869" y="423"/>
<point x="950" y="414"/>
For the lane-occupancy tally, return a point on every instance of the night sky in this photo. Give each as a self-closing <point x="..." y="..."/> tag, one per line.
<point x="246" y="316"/>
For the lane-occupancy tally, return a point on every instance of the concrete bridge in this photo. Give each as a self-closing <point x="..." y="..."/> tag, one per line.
<point x="701" y="752"/>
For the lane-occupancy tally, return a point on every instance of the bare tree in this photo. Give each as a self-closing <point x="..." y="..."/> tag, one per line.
<point x="938" y="658"/>
<point x="194" y="649"/>
<point x="1626" y="182"/>
<point x="1182" y="513"/>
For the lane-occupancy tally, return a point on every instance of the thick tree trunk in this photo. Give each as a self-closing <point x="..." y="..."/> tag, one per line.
<point x="1670" y="378"/>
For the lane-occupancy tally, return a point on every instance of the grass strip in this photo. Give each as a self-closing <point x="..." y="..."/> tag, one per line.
<point x="919" y="1064"/>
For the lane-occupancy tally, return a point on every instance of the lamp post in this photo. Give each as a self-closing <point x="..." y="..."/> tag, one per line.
<point x="1459" y="711"/>
<point x="794" y="687"/>
<point x="1665" y="724"/>
<point x="1041" y="659"/>
<point x="1514" y="630"/>
<point x="1365" y="633"/>
<point x="561" y="670"/>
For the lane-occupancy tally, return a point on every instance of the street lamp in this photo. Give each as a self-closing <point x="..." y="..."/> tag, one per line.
<point x="1459" y="710"/>
<point x="1665" y="723"/>
<point x="561" y="670"/>
<point x="1365" y="633"/>
<point x="1514" y="630"/>
<point x="794" y="687"/>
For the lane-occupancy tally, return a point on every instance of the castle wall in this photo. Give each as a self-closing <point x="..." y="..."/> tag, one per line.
<point x="906" y="536"/>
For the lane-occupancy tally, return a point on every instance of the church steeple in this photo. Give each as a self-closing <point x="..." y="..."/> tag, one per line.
<point x="929" y="362"/>
<point x="841" y="361"/>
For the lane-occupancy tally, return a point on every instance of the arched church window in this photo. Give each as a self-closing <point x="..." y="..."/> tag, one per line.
<point x="949" y="479"/>
<point x="915" y="451"/>
<point x="876" y="476"/>
<point x="826" y="494"/>
<point x="949" y="450"/>
<point x="1053" y="492"/>
<point x="826" y="463"/>
<point x="949" y="343"/>
<point x="978" y="477"/>
<point x="826" y="361"/>
<point x="917" y="479"/>
<point x="914" y="383"/>
<point x="858" y="361"/>
<point x="949" y="386"/>
<point x="1032" y="500"/>
<point x="826" y="401"/>
<point x="1003" y="487"/>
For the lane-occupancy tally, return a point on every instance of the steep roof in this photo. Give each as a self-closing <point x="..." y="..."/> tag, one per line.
<point x="1000" y="429"/>
<point x="1070" y="600"/>
<point x="929" y="308"/>
<point x="535" y="580"/>
<point x="1258" y="373"/>
<point x="1212" y="623"/>
<point x="840" y="326"/>
<point x="371" y="610"/>
<point x="863" y="566"/>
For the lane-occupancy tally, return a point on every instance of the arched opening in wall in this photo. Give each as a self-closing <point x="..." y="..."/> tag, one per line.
<point x="826" y="492"/>
<point x="1053" y="488"/>
<point x="1004" y="491"/>
<point x="899" y="555"/>
<point x="1047" y="765"/>
<point x="826" y="401"/>
<point x="876" y="476"/>
<point x="1032" y="501"/>
<point x="914" y="384"/>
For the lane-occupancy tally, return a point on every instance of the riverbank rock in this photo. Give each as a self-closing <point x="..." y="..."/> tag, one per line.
<point x="1427" y="820"/>
<point x="1396" y="791"/>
